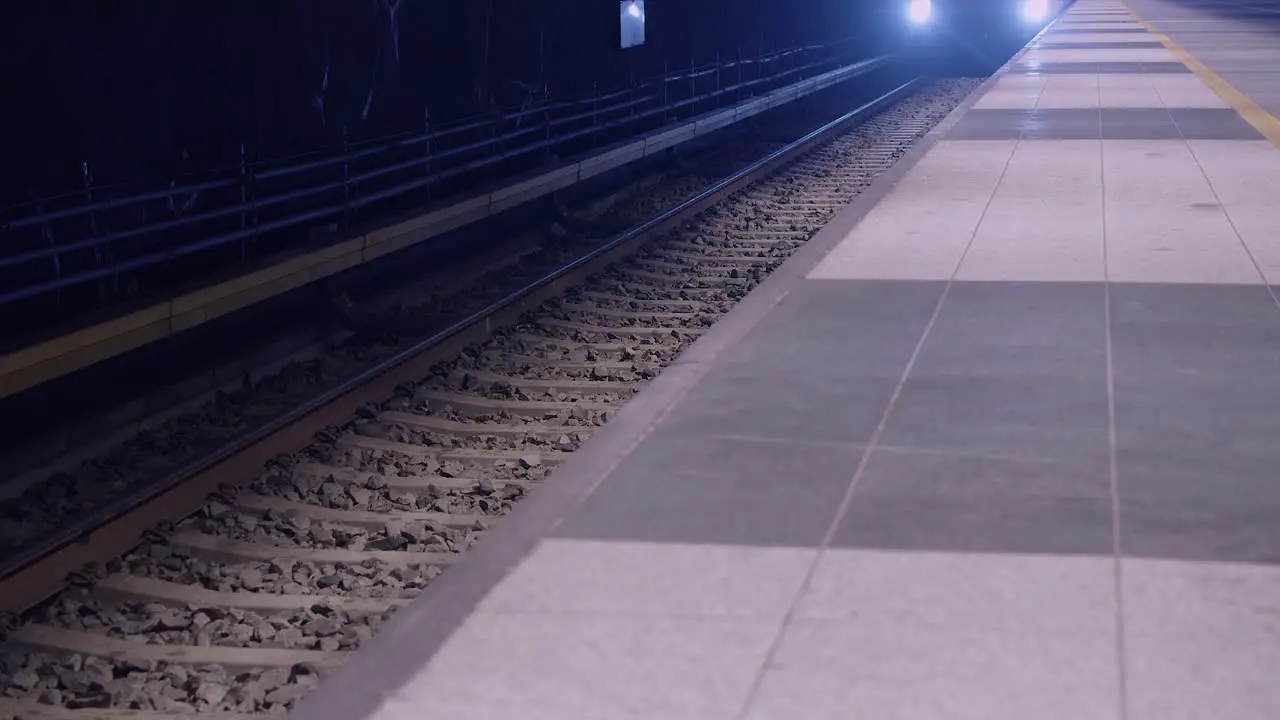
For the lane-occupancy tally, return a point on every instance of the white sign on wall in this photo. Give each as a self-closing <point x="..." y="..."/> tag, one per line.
<point x="632" y="23"/>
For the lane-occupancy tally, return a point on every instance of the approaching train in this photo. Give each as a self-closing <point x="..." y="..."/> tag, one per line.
<point x="972" y="36"/>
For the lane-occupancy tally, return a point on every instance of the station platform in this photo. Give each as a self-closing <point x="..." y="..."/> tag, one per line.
<point x="1000" y="442"/>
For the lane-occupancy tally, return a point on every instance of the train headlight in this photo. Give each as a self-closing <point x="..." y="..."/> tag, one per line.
<point x="919" y="11"/>
<point x="1035" y="11"/>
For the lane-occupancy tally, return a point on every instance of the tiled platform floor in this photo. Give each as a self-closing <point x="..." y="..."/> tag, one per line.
<point x="1009" y="451"/>
<point x="1236" y="39"/>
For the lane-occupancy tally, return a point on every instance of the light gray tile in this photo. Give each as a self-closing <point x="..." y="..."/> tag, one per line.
<point x="920" y="229"/>
<point x="1096" y="68"/>
<point x="1201" y="639"/>
<point x="1068" y="171"/>
<point x="1182" y="91"/>
<point x="655" y="579"/>
<point x="1004" y="592"/>
<point x="588" y="667"/>
<point x="1161" y="173"/>
<point x="897" y="669"/>
<point x="1226" y="600"/>
<point x="1201" y="677"/>
<point x="1067" y="245"/>
<point x="1240" y="174"/>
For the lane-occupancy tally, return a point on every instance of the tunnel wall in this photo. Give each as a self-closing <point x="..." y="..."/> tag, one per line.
<point x="131" y="87"/>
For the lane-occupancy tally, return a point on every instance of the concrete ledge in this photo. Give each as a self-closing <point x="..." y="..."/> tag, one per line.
<point x="610" y="159"/>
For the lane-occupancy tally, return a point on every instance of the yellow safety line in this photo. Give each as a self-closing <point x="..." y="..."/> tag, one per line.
<point x="1262" y="121"/>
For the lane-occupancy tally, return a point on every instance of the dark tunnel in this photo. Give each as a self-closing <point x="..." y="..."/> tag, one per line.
<point x="151" y="90"/>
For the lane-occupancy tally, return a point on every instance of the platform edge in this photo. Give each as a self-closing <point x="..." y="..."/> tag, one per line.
<point x="417" y="632"/>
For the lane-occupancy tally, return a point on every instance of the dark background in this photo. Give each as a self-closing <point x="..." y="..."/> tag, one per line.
<point x="133" y="86"/>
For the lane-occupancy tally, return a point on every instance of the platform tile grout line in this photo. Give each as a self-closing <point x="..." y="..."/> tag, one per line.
<point x="872" y="443"/>
<point x="1247" y="250"/>
<point x="1113" y="467"/>
<point x="1039" y="96"/>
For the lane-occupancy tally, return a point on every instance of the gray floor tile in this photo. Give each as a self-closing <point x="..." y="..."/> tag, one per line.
<point x="1194" y="376"/>
<point x="1209" y="428"/>
<point x="983" y="125"/>
<point x="1196" y="394"/>
<point x="1044" y="417"/>
<point x="1213" y="124"/>
<point x="1223" y="306"/>
<point x="1107" y="124"/>
<point x="984" y="317"/>
<point x="1122" y="68"/>
<point x="820" y="367"/>
<point x="1138" y="124"/>
<point x="756" y="401"/>
<point x="1010" y="368"/>
<point x="1185" y="405"/>
<point x="958" y="503"/>
<point x="1169" y="512"/>
<point x="1087" y="31"/>
<point x="818" y="313"/>
<point x="1116" y="45"/>
<point x="1071" y="124"/>
<point x="698" y="489"/>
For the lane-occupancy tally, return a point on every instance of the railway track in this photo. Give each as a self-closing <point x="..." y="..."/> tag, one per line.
<point x="51" y="502"/>
<point x="293" y="557"/>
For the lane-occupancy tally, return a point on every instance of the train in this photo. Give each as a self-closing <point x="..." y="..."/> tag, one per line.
<point x="971" y="37"/>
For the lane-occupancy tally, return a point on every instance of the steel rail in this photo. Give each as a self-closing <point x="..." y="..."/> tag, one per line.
<point x="24" y="587"/>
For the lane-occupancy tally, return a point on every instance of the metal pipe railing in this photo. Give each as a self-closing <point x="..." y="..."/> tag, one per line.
<point x="250" y="197"/>
<point x="382" y="143"/>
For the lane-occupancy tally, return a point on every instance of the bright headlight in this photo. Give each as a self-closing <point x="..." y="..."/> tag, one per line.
<point x="918" y="11"/>
<point x="1035" y="11"/>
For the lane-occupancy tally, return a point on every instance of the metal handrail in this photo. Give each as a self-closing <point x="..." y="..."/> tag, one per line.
<point x="403" y="139"/>
<point x="241" y="201"/>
